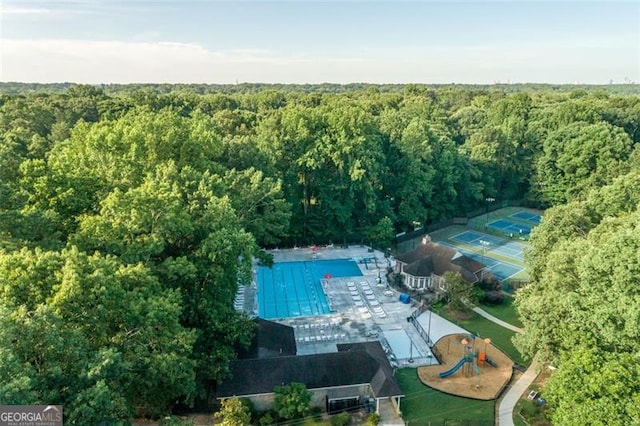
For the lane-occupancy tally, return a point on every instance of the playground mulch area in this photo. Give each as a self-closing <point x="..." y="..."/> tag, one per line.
<point x="484" y="386"/>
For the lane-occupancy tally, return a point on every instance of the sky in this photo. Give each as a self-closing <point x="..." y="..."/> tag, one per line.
<point x="302" y="41"/>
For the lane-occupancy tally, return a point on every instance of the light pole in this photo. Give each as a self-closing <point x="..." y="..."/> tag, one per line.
<point x="487" y="201"/>
<point x="416" y="226"/>
<point x="484" y="244"/>
<point x="429" y="330"/>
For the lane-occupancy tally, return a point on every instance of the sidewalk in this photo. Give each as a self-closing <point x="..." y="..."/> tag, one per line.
<point x="510" y="399"/>
<point x="498" y="321"/>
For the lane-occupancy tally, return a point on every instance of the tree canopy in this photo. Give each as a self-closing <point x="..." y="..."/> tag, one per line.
<point x="130" y="214"/>
<point x="582" y="311"/>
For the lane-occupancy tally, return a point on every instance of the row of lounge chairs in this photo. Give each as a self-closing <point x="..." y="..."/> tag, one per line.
<point x="371" y="300"/>
<point x="238" y="302"/>
<point x="321" y="338"/>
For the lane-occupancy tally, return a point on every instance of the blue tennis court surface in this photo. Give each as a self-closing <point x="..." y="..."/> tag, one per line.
<point x="509" y="227"/>
<point x="507" y="248"/>
<point x="293" y="289"/>
<point x="528" y="217"/>
<point x="502" y="270"/>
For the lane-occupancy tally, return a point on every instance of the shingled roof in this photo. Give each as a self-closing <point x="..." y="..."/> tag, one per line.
<point x="354" y="364"/>
<point x="271" y="339"/>
<point x="383" y="383"/>
<point x="437" y="259"/>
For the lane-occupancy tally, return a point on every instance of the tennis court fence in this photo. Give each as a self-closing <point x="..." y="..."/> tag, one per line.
<point x="513" y="284"/>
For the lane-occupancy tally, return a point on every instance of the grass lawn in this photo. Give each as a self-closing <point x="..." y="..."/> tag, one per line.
<point x="526" y="412"/>
<point x="500" y="336"/>
<point x="506" y="311"/>
<point x="423" y="404"/>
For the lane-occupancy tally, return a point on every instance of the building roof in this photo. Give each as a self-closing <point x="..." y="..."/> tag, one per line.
<point x="421" y="268"/>
<point x="432" y="258"/>
<point x="271" y="339"/>
<point x="383" y="382"/>
<point x="354" y="364"/>
<point x="469" y="264"/>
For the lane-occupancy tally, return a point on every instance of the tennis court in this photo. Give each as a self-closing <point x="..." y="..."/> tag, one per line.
<point x="527" y="217"/>
<point x="507" y="248"/>
<point x="509" y="227"/>
<point x="502" y="270"/>
<point x="293" y="289"/>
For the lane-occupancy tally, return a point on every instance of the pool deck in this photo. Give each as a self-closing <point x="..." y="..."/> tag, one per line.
<point x="363" y="308"/>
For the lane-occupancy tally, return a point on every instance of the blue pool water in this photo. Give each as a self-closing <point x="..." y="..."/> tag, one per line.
<point x="293" y="289"/>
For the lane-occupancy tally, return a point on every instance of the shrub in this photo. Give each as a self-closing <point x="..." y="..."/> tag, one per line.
<point x="266" y="420"/>
<point x="493" y="297"/>
<point x="176" y="421"/>
<point x="373" y="419"/>
<point x="292" y="401"/>
<point x="341" y="419"/>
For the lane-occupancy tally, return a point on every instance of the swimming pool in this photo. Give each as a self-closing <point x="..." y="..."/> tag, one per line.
<point x="293" y="289"/>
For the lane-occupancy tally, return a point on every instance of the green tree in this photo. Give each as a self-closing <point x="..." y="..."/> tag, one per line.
<point x="105" y="333"/>
<point x="233" y="413"/>
<point x="259" y="204"/>
<point x="460" y="294"/>
<point x="292" y="401"/>
<point x="192" y="241"/>
<point x="583" y="289"/>
<point x="381" y="235"/>
<point x="595" y="388"/>
<point x="579" y="157"/>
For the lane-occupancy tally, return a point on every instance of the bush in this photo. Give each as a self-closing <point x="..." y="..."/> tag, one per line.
<point x="341" y="419"/>
<point x="176" y="421"/>
<point x="373" y="419"/>
<point x="266" y="420"/>
<point x="248" y="404"/>
<point x="489" y="284"/>
<point x="292" y="401"/>
<point x="493" y="297"/>
<point x="315" y="410"/>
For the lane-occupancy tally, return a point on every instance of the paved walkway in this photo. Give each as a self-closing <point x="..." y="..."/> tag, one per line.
<point x="388" y="415"/>
<point x="498" y="321"/>
<point x="511" y="398"/>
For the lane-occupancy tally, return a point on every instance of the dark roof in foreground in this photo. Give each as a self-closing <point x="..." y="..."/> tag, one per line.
<point x="383" y="383"/>
<point x="353" y="364"/>
<point x="271" y="339"/>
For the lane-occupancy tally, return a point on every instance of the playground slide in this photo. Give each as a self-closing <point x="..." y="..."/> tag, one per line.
<point x="453" y="370"/>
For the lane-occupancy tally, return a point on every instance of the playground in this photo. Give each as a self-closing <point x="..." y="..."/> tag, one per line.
<point x="471" y="367"/>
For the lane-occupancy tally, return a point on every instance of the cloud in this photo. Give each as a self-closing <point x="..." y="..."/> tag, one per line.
<point x="172" y="62"/>
<point x="10" y="10"/>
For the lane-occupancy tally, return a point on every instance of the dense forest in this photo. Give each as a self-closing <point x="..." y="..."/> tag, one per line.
<point x="130" y="214"/>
